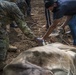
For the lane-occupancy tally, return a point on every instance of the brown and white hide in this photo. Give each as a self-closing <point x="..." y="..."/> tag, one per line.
<point x="57" y="59"/>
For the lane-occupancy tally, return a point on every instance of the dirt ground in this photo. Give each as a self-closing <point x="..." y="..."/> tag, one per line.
<point x="37" y="24"/>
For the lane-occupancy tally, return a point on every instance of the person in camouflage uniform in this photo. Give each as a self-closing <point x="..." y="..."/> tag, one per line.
<point x="9" y="12"/>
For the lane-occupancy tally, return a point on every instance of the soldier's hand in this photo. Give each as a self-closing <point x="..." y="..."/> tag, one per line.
<point x="40" y="41"/>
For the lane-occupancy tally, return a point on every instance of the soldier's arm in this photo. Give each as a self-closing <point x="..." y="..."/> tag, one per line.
<point x="25" y="29"/>
<point x="19" y="19"/>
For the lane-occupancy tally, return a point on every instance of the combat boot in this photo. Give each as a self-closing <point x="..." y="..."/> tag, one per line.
<point x="12" y="48"/>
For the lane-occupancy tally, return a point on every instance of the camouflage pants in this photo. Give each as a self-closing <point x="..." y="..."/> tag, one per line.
<point x="4" y="43"/>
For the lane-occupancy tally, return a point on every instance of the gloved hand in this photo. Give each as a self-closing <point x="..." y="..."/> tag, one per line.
<point x="40" y="41"/>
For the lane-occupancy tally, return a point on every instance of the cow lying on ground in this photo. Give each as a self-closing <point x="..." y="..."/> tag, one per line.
<point x="53" y="59"/>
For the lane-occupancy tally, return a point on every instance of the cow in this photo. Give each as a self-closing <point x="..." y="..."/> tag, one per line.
<point x="51" y="59"/>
